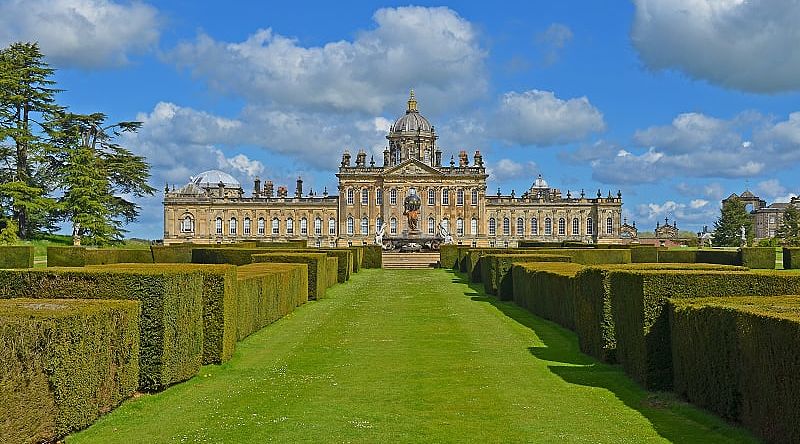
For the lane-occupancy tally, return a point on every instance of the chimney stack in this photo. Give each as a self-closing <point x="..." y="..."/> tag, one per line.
<point x="298" y="192"/>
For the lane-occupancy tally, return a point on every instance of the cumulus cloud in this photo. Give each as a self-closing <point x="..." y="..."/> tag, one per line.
<point x="81" y="33"/>
<point x="508" y="169"/>
<point x="553" y="40"/>
<point x="745" y="45"/>
<point x="540" y="118"/>
<point x="689" y="215"/>
<point x="433" y="50"/>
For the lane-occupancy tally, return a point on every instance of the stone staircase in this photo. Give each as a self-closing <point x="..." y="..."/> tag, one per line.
<point x="410" y="260"/>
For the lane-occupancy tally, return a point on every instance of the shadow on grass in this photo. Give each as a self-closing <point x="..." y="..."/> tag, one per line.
<point x="671" y="418"/>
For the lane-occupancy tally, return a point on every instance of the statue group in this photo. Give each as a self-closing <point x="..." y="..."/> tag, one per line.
<point x="411" y="205"/>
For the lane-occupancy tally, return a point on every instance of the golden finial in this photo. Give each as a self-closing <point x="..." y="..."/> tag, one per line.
<point x="412" y="103"/>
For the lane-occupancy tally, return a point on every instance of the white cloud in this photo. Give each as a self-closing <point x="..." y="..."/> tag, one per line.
<point x="540" y="118"/>
<point x="433" y="50"/>
<point x="507" y="169"/>
<point x="689" y="132"/>
<point x="746" y="45"/>
<point x="690" y="216"/>
<point x="81" y="33"/>
<point x="697" y="203"/>
<point x="553" y="40"/>
<point x="771" y="188"/>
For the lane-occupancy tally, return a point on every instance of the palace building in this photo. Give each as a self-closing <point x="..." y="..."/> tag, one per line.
<point x="410" y="196"/>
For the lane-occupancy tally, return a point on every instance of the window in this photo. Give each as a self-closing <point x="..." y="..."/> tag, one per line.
<point x="520" y="226"/>
<point x="460" y="197"/>
<point x="232" y="226"/>
<point x="289" y="226"/>
<point x="475" y="196"/>
<point x="506" y="226"/>
<point x="609" y="226"/>
<point x="349" y="196"/>
<point x="379" y="197"/>
<point x="534" y="226"/>
<point x="492" y="226"/>
<point x="393" y="226"/>
<point x="246" y="226"/>
<point x="576" y="229"/>
<point x="364" y="196"/>
<point x="364" y="225"/>
<point x="473" y="226"/>
<point x="431" y="196"/>
<point x="393" y="196"/>
<point x="431" y="225"/>
<point x="218" y="225"/>
<point x="304" y="226"/>
<point x="562" y="226"/>
<point x="445" y="197"/>
<point x="446" y="225"/>
<point x="378" y="224"/>
<point x="318" y="226"/>
<point x="187" y="226"/>
<point x="460" y="226"/>
<point x="261" y="226"/>
<point x="275" y="225"/>
<point x="332" y="226"/>
<point x="548" y="226"/>
<point x="589" y="226"/>
<point x="350" y="225"/>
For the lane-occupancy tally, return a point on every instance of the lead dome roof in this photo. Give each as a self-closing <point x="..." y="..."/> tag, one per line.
<point x="412" y="120"/>
<point x="212" y="178"/>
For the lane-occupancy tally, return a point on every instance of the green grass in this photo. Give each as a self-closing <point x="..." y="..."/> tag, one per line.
<point x="409" y="356"/>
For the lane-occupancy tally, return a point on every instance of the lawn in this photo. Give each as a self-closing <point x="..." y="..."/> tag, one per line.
<point x="409" y="356"/>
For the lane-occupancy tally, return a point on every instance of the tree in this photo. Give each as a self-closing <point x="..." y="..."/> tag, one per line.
<point x="26" y="103"/>
<point x="95" y="173"/>
<point x="727" y="229"/>
<point x="789" y="231"/>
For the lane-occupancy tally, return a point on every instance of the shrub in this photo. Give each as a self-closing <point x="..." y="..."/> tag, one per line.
<point x="16" y="256"/>
<point x="722" y="257"/>
<point x="677" y="256"/>
<point x="547" y="290"/>
<point x="638" y="300"/>
<point x="373" y="256"/>
<point x="287" y="244"/>
<point x="496" y="270"/>
<point x="358" y="258"/>
<point x="759" y="257"/>
<point x="316" y="268"/>
<point x="644" y="254"/>
<point x="791" y="258"/>
<point x="738" y="357"/>
<point x="66" y="256"/>
<point x="462" y="258"/>
<point x="234" y="256"/>
<point x="63" y="363"/>
<point x="172" y="254"/>
<point x="588" y="256"/>
<point x="331" y="272"/>
<point x="81" y="256"/>
<point x="171" y="325"/>
<point x="448" y="256"/>
<point x="266" y="292"/>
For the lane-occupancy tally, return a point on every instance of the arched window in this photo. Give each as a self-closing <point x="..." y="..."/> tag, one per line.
<point x="445" y="196"/>
<point x="317" y="226"/>
<point x="261" y="226"/>
<point x="332" y="226"/>
<point x="431" y="196"/>
<point x="364" y="196"/>
<point x="232" y="226"/>
<point x="393" y="225"/>
<point x="548" y="226"/>
<point x="562" y="226"/>
<point x="304" y="226"/>
<point x="350" y="225"/>
<point x="506" y="226"/>
<point x="534" y="226"/>
<point x="187" y="226"/>
<point x="246" y="226"/>
<point x="289" y="226"/>
<point x="378" y="224"/>
<point x="492" y="226"/>
<point x="520" y="227"/>
<point x="364" y="225"/>
<point x="379" y="196"/>
<point x="275" y="225"/>
<point x="576" y="228"/>
<point x="609" y="226"/>
<point x="460" y="197"/>
<point x="589" y="226"/>
<point x="474" y="196"/>
<point x="393" y="196"/>
<point x="460" y="226"/>
<point x="349" y="196"/>
<point x="473" y="226"/>
<point x="218" y="225"/>
<point x="431" y="225"/>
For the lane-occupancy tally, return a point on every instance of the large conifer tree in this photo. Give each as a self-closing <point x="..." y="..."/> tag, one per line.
<point x="789" y="231"/>
<point x="727" y="229"/>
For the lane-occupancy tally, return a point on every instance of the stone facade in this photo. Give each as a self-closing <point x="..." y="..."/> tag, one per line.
<point x="454" y="203"/>
<point x="767" y="219"/>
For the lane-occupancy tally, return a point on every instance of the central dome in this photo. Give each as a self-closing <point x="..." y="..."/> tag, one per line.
<point x="412" y="120"/>
<point x="212" y="178"/>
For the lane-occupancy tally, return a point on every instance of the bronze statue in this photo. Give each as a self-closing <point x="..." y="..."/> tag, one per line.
<point x="412" y="205"/>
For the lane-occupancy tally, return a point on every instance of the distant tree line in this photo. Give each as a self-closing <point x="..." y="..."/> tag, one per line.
<point x="57" y="166"/>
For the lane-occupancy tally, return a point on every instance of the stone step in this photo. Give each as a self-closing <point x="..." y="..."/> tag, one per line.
<point x="410" y="260"/>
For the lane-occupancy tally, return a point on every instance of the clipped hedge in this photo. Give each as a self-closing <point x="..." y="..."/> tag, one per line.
<point x="332" y="271"/>
<point x="358" y="258"/>
<point x="16" y="256"/>
<point x="547" y="290"/>
<point x="81" y="256"/>
<point x="66" y="256"/>
<point x="171" y="324"/>
<point x="644" y="254"/>
<point x="462" y="259"/>
<point x="791" y="258"/>
<point x="287" y="244"/>
<point x="638" y="301"/>
<point x="172" y="254"/>
<point x="373" y="256"/>
<point x="317" y="268"/>
<point x="738" y="357"/>
<point x="721" y="257"/>
<point x="759" y="257"/>
<point x="266" y="292"/>
<point x="448" y="256"/>
<point x="677" y="256"/>
<point x="496" y="270"/>
<point x="63" y="363"/>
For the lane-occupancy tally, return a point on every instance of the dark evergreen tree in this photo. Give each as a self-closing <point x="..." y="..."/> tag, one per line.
<point x="789" y="231"/>
<point x="727" y="229"/>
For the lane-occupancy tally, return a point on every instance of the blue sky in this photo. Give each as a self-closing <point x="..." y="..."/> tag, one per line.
<point x="677" y="103"/>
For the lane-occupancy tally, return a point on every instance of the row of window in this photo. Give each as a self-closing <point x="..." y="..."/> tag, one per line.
<point x="187" y="226"/>
<point x="548" y="226"/>
<point x="393" y="196"/>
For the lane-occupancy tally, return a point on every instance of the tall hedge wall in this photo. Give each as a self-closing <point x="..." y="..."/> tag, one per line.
<point x="358" y="258"/>
<point x="373" y="256"/>
<point x="738" y="357"/>
<point x="759" y="257"/>
<point x="63" y="363"/>
<point x="287" y="244"/>
<point x="462" y="259"/>
<point x="344" y="256"/>
<point x="547" y="290"/>
<point x="317" y="271"/>
<point x="791" y="258"/>
<point x="266" y="292"/>
<point x="332" y="270"/>
<point x="448" y="256"/>
<point x="644" y="254"/>
<point x="81" y="256"/>
<point x="496" y="271"/>
<point x="638" y="301"/>
<point x="16" y="256"/>
<point x="171" y="324"/>
<point x="172" y="254"/>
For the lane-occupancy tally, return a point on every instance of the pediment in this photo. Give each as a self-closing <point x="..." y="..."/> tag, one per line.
<point x="411" y="167"/>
